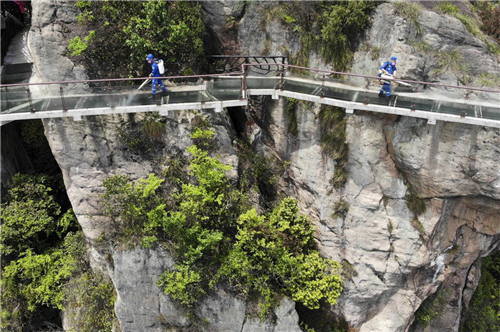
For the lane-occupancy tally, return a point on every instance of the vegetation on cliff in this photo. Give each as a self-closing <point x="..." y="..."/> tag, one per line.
<point x="114" y="37"/>
<point x="215" y="237"/>
<point x="44" y="257"/>
<point x="45" y="268"/>
<point x="483" y="312"/>
<point x="330" y="28"/>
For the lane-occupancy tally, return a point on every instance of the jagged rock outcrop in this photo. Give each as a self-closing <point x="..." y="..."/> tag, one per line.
<point x="48" y="43"/>
<point x="397" y="263"/>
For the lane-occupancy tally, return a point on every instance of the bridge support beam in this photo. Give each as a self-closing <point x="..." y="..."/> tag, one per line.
<point x="349" y="110"/>
<point x="77" y="117"/>
<point x="165" y="113"/>
<point x="275" y="94"/>
<point x="431" y="121"/>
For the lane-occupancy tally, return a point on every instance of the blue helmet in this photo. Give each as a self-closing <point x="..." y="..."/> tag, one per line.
<point x="394" y="59"/>
<point x="150" y="57"/>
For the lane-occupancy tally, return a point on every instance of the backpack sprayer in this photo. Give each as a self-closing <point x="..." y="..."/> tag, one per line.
<point x="161" y="69"/>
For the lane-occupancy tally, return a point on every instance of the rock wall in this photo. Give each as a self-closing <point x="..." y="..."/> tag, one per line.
<point x="398" y="263"/>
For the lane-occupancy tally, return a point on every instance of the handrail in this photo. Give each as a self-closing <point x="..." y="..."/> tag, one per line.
<point x="244" y="73"/>
<point x="376" y="77"/>
<point x="120" y="79"/>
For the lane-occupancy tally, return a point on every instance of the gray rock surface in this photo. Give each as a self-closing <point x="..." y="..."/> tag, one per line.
<point x="452" y="166"/>
<point x="48" y="42"/>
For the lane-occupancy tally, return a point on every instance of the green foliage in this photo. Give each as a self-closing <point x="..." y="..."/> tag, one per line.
<point x="446" y="7"/>
<point x="341" y="209"/>
<point x="329" y="27"/>
<point x="183" y="284"/>
<point x="214" y="240"/>
<point x="419" y="227"/>
<point x="488" y="79"/>
<point x="333" y="137"/>
<point x="125" y="31"/>
<point x="375" y="52"/>
<point x="274" y="254"/>
<point x="483" y="312"/>
<point x="490" y="17"/>
<point x="415" y="203"/>
<point x="432" y="308"/>
<point x="341" y="24"/>
<point x="77" y="46"/>
<point x="411" y="12"/>
<point x="128" y="204"/>
<point x="291" y="111"/>
<point x="153" y="127"/>
<point x="30" y="215"/>
<point x="92" y="296"/>
<point x="89" y="297"/>
<point x="489" y="12"/>
<point x="256" y="172"/>
<point x="173" y="29"/>
<point x="422" y="47"/>
<point x="35" y="263"/>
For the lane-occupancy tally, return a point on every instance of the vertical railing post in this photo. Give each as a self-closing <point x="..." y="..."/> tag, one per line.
<point x="63" y="102"/>
<point x="32" y="109"/>
<point x="466" y="99"/>
<point x="111" y="96"/>
<point x="244" y="83"/>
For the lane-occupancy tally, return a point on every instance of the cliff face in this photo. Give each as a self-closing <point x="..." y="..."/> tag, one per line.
<point x="397" y="262"/>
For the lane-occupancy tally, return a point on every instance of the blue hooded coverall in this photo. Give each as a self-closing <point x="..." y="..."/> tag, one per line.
<point x="156" y="73"/>
<point x="390" y="68"/>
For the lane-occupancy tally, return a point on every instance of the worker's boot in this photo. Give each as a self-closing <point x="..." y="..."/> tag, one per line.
<point x="152" y="97"/>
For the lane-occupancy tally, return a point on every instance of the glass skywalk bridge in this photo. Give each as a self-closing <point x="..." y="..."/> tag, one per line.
<point x="76" y="99"/>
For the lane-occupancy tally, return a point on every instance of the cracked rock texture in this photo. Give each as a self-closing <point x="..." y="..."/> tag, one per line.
<point x="398" y="262"/>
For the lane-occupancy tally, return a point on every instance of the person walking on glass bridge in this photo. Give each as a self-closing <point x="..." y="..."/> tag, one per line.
<point x="388" y="68"/>
<point x="155" y="73"/>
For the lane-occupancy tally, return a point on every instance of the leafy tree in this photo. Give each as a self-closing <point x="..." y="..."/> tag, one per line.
<point x="31" y="218"/>
<point x="483" y="313"/>
<point x="45" y="252"/>
<point x="126" y="31"/>
<point x="34" y="265"/>
<point x="215" y="240"/>
<point x="174" y="29"/>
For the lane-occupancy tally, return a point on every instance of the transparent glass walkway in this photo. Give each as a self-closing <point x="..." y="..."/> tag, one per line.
<point x="24" y="102"/>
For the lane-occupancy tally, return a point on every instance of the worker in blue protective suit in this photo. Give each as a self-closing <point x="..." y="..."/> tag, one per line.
<point x="387" y="68"/>
<point x="155" y="73"/>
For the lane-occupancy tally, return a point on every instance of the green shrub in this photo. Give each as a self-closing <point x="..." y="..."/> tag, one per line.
<point x="214" y="240"/>
<point x="415" y="203"/>
<point x="483" y="312"/>
<point x="489" y="12"/>
<point x="291" y="111"/>
<point x="419" y="227"/>
<point x="411" y="12"/>
<point x="43" y="252"/>
<point x="333" y="136"/>
<point x="341" y="209"/>
<point x="125" y="31"/>
<point x="432" y="308"/>
<point x="153" y="127"/>
<point x="330" y="28"/>
<point x="77" y="46"/>
<point x="446" y="7"/>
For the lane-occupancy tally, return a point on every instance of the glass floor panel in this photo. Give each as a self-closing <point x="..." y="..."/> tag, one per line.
<point x="262" y="83"/>
<point x="300" y="87"/>
<point x="336" y="93"/>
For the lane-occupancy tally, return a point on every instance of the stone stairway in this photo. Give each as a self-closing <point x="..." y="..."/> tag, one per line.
<point x="18" y="63"/>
